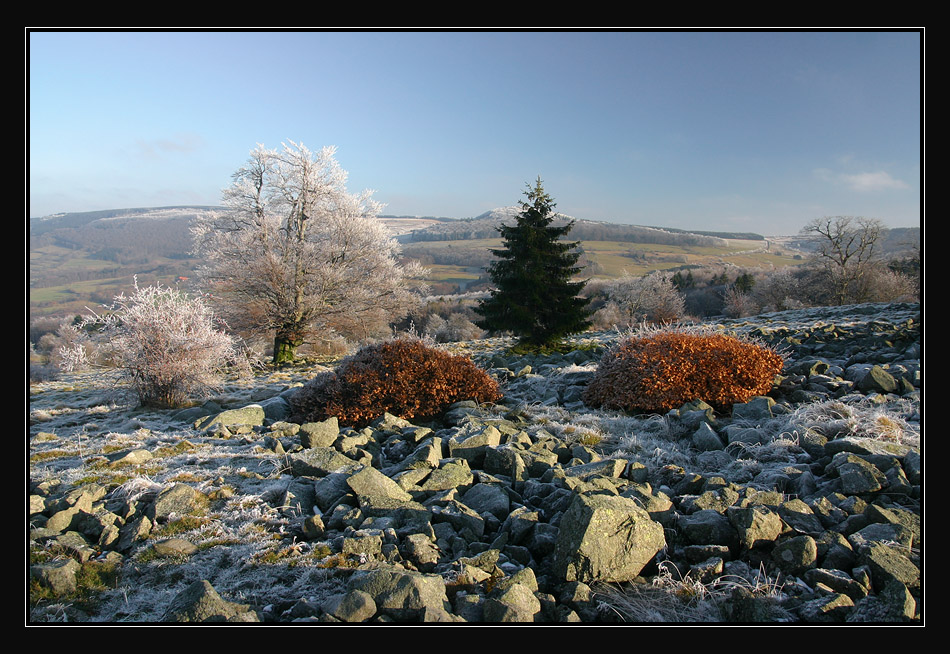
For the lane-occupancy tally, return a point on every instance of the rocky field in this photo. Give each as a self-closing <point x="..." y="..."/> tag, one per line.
<point x="800" y="507"/>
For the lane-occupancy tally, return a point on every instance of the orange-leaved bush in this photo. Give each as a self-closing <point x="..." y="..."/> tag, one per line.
<point x="404" y="377"/>
<point x="664" y="370"/>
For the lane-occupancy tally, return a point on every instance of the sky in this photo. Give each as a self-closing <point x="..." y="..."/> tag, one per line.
<point x="711" y="130"/>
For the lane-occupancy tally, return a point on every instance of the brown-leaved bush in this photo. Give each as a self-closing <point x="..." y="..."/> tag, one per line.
<point x="404" y="377"/>
<point x="662" y="371"/>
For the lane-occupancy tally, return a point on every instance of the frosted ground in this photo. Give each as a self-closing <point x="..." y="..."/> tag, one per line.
<point x="83" y="430"/>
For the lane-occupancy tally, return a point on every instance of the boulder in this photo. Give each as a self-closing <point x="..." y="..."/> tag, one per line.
<point x="318" y="462"/>
<point x="402" y="594"/>
<point x="200" y="602"/>
<point x="252" y="414"/>
<point x="319" y="434"/>
<point x="178" y="499"/>
<point x="605" y="538"/>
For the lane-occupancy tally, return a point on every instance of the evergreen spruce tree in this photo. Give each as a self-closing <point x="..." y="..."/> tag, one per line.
<point x="535" y="297"/>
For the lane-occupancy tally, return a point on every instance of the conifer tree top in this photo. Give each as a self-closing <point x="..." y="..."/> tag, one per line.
<point x="535" y="297"/>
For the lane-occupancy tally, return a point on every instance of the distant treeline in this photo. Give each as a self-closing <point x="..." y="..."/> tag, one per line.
<point x="744" y="236"/>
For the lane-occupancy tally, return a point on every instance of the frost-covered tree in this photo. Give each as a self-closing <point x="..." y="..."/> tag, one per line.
<point x="535" y="296"/>
<point x="296" y="257"/>
<point x="653" y="298"/>
<point x="165" y="344"/>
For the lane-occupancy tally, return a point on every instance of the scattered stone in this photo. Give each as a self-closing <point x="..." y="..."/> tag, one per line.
<point x="402" y="594"/>
<point x="353" y="606"/>
<point x="200" y="602"/>
<point x="319" y="434"/>
<point x="178" y="499"/>
<point x="174" y="547"/>
<point x="252" y="414"/>
<point x="488" y="515"/>
<point x="796" y="555"/>
<point x="59" y="575"/>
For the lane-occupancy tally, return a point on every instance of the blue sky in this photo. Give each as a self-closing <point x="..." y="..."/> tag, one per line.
<point x="750" y="131"/>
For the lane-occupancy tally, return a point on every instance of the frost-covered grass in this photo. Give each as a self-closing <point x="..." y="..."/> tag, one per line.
<point x="80" y="425"/>
<point x="672" y="597"/>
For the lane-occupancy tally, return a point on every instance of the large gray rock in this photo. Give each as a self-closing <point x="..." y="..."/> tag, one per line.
<point x="887" y="564"/>
<point x="708" y="527"/>
<point x="796" y="555"/>
<point x="318" y="462"/>
<point x="605" y="538"/>
<point x="276" y="408"/>
<point x="178" y="499"/>
<point x="319" y="434"/>
<point x="451" y="473"/>
<point x="800" y="517"/>
<point x="59" y="575"/>
<point x="756" y="410"/>
<point x="859" y="477"/>
<point x="252" y="414"/>
<point x="877" y="380"/>
<point x="200" y="602"/>
<point x="402" y="594"/>
<point x="516" y="603"/>
<point x="705" y="438"/>
<point x="757" y="526"/>
<point x="472" y="447"/>
<point x="488" y="498"/>
<point x="369" y="482"/>
<point x="354" y="606"/>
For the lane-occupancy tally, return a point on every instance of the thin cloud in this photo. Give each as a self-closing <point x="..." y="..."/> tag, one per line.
<point x="181" y="143"/>
<point x="863" y="182"/>
<point x="873" y="181"/>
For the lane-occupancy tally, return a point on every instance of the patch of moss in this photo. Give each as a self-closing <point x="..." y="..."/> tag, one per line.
<point x="50" y="455"/>
<point x="590" y="439"/>
<point x="92" y="578"/>
<point x="179" y="526"/>
<point x="186" y="477"/>
<point x="110" y="481"/>
<point x="173" y="450"/>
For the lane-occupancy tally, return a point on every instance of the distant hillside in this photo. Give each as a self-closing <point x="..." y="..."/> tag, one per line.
<point x="119" y="234"/>
<point x="486" y="226"/>
<point x="81" y="259"/>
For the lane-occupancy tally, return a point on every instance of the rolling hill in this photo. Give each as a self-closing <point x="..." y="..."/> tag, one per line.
<point x="83" y="259"/>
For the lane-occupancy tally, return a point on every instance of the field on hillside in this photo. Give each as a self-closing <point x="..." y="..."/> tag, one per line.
<point x="614" y="258"/>
<point x="65" y="281"/>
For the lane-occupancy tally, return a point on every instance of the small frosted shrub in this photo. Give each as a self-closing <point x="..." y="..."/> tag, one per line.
<point x="165" y="344"/>
<point x="403" y="376"/>
<point x="664" y="370"/>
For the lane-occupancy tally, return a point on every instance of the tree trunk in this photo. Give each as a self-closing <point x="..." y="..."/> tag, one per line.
<point x="286" y="342"/>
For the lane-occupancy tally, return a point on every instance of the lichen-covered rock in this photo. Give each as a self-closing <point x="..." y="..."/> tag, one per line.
<point x="253" y="414"/>
<point x="796" y="555"/>
<point x="757" y="526"/>
<point x="179" y="499"/>
<point x="605" y="538"/>
<point x="59" y="576"/>
<point x="402" y="594"/>
<point x="200" y="602"/>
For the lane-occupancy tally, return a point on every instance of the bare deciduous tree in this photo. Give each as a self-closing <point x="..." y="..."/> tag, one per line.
<point x="296" y="255"/>
<point x="848" y="246"/>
